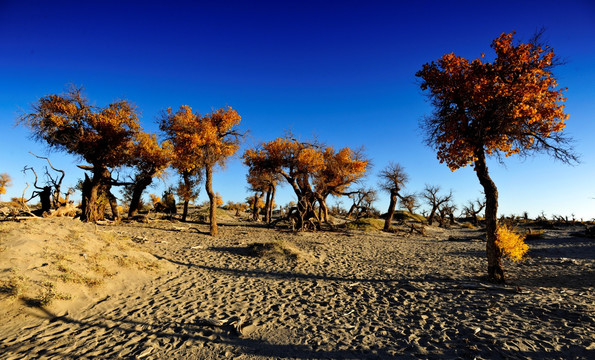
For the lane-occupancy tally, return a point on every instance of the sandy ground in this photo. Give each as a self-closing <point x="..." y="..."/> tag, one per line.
<point x="348" y="295"/>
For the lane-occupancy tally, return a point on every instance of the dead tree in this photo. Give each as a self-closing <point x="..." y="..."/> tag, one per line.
<point x="362" y="201"/>
<point x="473" y="208"/>
<point x="430" y="193"/>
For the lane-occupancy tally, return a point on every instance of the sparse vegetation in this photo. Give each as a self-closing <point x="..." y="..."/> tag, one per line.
<point x="534" y="234"/>
<point x="510" y="243"/>
<point x="366" y="224"/>
<point x="276" y="249"/>
<point x="468" y="225"/>
<point x="76" y="259"/>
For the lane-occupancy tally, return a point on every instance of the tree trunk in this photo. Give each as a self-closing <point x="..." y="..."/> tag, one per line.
<point x="185" y="211"/>
<point x="267" y="205"/>
<point x="432" y="215"/>
<point x="323" y="214"/>
<point x="255" y="208"/>
<point x="45" y="199"/>
<point x="494" y="254"/>
<point x="351" y="210"/>
<point x="113" y="203"/>
<point x="137" y="192"/>
<point x="212" y="200"/>
<point x="91" y="192"/>
<point x="273" y="191"/>
<point x="391" y="211"/>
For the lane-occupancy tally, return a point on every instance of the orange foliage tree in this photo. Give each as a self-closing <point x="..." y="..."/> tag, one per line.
<point x="508" y="106"/>
<point x="263" y="182"/>
<point x="342" y="168"/>
<point x="392" y="180"/>
<point x="255" y="203"/>
<point x="150" y="159"/>
<point x="102" y="136"/>
<point x="312" y="170"/>
<point x="5" y="181"/>
<point x="201" y="142"/>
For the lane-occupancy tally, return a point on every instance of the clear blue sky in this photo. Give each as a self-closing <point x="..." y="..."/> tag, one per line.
<point x="341" y="71"/>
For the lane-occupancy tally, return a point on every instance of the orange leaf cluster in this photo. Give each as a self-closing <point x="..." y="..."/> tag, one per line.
<point x="303" y="164"/>
<point x="504" y="106"/>
<point x="201" y="140"/>
<point x="102" y="136"/>
<point x="149" y="156"/>
<point x="5" y="181"/>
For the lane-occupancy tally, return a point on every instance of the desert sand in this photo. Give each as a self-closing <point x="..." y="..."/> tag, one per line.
<point x="342" y="294"/>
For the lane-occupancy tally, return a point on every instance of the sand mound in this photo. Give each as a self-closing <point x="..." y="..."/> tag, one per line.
<point x="46" y="260"/>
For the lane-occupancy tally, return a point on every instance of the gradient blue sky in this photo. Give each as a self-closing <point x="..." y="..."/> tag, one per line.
<point x="341" y="71"/>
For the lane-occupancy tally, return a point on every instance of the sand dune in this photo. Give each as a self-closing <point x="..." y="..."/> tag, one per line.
<point x="344" y="295"/>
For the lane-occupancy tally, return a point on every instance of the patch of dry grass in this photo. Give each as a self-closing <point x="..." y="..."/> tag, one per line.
<point x="534" y="234"/>
<point x="366" y="224"/>
<point x="64" y="254"/>
<point x="277" y="249"/>
<point x="14" y="285"/>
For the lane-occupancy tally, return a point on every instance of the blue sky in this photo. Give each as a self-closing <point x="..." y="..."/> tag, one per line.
<point x="341" y="71"/>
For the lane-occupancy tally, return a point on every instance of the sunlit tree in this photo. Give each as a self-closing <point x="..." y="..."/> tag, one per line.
<point x="342" y="169"/>
<point x="5" y="181"/>
<point x="263" y="182"/>
<point x="295" y="161"/>
<point x="102" y="136"/>
<point x="511" y="105"/>
<point x="312" y="170"/>
<point x="392" y="179"/>
<point x="150" y="159"/>
<point x="201" y="142"/>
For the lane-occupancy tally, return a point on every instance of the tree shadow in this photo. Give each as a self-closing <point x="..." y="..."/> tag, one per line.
<point x="181" y="332"/>
<point x="276" y="274"/>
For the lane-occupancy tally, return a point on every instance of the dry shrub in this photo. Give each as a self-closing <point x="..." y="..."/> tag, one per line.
<point x="534" y="234"/>
<point x="366" y="224"/>
<point x="511" y="243"/>
<point x="13" y="286"/>
<point x="278" y="249"/>
<point x="468" y="225"/>
<point x="404" y="215"/>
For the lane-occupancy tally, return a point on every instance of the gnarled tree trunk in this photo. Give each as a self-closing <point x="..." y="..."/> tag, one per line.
<point x="267" y="205"/>
<point x="494" y="254"/>
<point x="212" y="200"/>
<point x="92" y="188"/>
<point x="391" y="211"/>
<point x="270" y="208"/>
<point x="141" y="183"/>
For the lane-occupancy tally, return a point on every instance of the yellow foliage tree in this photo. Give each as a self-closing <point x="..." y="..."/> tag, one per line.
<point x="5" y="181"/>
<point x="150" y="160"/>
<point x="202" y="141"/>
<point x="313" y="171"/>
<point x="508" y="106"/>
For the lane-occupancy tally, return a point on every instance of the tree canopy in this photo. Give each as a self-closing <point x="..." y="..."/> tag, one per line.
<point x="313" y="170"/>
<point x="511" y="105"/>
